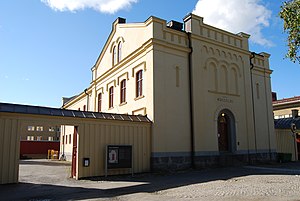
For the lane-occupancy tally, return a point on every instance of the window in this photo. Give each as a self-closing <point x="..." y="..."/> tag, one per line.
<point x="39" y="128"/>
<point x="78" y="109"/>
<point x="70" y="139"/>
<point x="119" y="51"/>
<point x="99" y="102"/>
<point x="51" y="129"/>
<point x="84" y="107"/>
<point x="39" y="138"/>
<point x="114" y="62"/>
<point x="66" y="139"/>
<point x="30" y="138"/>
<point x="123" y="91"/>
<point x="30" y="128"/>
<point x="63" y="140"/>
<point x="50" y="138"/>
<point x="139" y="83"/>
<point x="111" y="97"/>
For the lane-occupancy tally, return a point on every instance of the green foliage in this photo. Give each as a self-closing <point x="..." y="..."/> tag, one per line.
<point x="290" y="13"/>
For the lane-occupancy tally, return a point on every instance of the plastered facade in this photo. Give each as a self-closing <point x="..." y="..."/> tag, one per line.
<point x="190" y="78"/>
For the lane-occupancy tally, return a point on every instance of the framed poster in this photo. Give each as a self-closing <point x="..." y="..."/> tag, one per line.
<point x="118" y="156"/>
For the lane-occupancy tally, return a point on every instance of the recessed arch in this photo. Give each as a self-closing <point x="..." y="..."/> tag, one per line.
<point x="226" y="131"/>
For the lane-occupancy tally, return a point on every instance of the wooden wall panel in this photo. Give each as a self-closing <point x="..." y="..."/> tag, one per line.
<point x="94" y="138"/>
<point x="9" y="150"/>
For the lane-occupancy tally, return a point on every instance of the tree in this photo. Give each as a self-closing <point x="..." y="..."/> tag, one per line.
<point x="290" y="13"/>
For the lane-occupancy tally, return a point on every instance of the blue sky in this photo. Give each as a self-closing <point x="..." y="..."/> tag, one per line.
<point x="47" y="48"/>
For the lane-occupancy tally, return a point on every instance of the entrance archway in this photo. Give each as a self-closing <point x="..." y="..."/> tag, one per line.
<point x="226" y="132"/>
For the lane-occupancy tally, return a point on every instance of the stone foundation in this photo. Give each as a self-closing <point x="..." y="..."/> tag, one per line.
<point x="170" y="163"/>
<point x="222" y="160"/>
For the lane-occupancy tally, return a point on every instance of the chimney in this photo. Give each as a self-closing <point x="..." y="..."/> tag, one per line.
<point x="295" y="114"/>
<point x="274" y="96"/>
<point x="119" y="20"/>
<point x="175" y="25"/>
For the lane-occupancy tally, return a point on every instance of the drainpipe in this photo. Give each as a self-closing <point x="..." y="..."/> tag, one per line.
<point x="87" y="100"/>
<point x="253" y="110"/>
<point x="191" y="101"/>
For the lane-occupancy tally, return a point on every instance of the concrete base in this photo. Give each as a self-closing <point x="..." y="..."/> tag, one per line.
<point x="222" y="160"/>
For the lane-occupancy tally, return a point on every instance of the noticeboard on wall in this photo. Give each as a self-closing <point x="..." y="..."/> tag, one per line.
<point x="118" y="156"/>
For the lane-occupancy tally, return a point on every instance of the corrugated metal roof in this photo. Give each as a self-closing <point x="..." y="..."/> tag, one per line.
<point x="285" y="123"/>
<point x="38" y="110"/>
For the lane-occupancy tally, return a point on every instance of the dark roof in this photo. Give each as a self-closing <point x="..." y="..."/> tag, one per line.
<point x="28" y="109"/>
<point x="287" y="100"/>
<point x="285" y="123"/>
<point x="68" y="99"/>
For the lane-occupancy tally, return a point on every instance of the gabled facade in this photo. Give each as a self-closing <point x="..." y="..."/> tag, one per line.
<point x="208" y="96"/>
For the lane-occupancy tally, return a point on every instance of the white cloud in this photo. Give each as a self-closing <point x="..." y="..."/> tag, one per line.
<point x="104" y="6"/>
<point x="236" y="16"/>
<point x="25" y="79"/>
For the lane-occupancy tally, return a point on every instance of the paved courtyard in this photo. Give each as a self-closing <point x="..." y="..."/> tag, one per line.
<point x="42" y="180"/>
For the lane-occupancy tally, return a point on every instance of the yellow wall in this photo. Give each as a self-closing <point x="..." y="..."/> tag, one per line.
<point x="286" y="142"/>
<point x="95" y="136"/>
<point x="9" y="149"/>
<point x="221" y="79"/>
<point x="284" y="112"/>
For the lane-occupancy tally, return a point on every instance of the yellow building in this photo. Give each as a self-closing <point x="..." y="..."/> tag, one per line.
<point x="208" y="96"/>
<point x="286" y="113"/>
<point x="282" y="108"/>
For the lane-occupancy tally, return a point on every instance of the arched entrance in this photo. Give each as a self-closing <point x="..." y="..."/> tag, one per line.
<point x="226" y="132"/>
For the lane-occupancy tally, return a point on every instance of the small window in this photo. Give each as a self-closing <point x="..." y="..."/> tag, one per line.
<point x="123" y="91"/>
<point x="39" y="138"/>
<point x="78" y="109"/>
<point x="114" y="62"/>
<point x="111" y="97"/>
<point x="139" y="83"/>
<point x="84" y="108"/>
<point x="51" y="129"/>
<point x="63" y="140"/>
<point x="119" y="51"/>
<point x="70" y="139"/>
<point x="30" y="138"/>
<point x="39" y="128"/>
<point x="30" y="128"/>
<point x="99" y="102"/>
<point x="66" y="139"/>
<point x="50" y="138"/>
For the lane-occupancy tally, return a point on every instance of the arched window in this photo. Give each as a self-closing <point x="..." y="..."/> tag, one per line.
<point x="111" y="97"/>
<point x="119" y="51"/>
<point x="99" y="102"/>
<point x="123" y="91"/>
<point x="114" y="59"/>
<point x="139" y="83"/>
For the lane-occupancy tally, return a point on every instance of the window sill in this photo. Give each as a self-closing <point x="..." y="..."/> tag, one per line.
<point x="138" y="98"/>
<point x="110" y="108"/>
<point x="124" y="103"/>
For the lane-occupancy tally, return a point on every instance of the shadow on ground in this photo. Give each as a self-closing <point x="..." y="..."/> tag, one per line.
<point x="147" y="183"/>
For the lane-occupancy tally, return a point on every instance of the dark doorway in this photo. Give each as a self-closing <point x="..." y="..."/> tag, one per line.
<point x="74" y="153"/>
<point x="226" y="132"/>
<point x="223" y="133"/>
